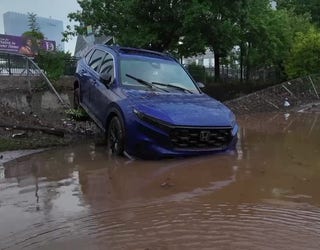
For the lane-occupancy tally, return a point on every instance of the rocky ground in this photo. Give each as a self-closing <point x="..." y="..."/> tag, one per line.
<point x="21" y="130"/>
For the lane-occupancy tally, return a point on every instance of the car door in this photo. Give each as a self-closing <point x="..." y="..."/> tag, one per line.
<point x="83" y="75"/>
<point x="90" y="77"/>
<point x="102" y="93"/>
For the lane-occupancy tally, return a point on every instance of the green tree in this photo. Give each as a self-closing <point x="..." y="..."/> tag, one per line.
<point x="152" y="24"/>
<point x="182" y="27"/>
<point x="305" y="55"/>
<point x="302" y="7"/>
<point x="263" y="34"/>
<point x="213" y="24"/>
<point x="34" y="29"/>
<point x="266" y="36"/>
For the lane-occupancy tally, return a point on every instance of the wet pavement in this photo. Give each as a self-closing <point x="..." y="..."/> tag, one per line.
<point x="265" y="195"/>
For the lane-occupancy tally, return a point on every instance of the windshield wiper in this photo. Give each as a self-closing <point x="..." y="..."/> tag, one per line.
<point x="150" y="85"/>
<point x="173" y="86"/>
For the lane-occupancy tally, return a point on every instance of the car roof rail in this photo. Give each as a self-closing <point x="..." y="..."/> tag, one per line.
<point x="171" y="56"/>
<point x="130" y="50"/>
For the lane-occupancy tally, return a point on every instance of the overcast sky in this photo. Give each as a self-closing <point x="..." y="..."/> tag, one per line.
<point x="57" y="9"/>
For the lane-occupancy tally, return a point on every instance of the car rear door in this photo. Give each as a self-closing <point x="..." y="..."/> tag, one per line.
<point x="90" y="76"/>
<point x="102" y="93"/>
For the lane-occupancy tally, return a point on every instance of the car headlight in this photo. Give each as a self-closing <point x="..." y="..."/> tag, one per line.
<point x="151" y="120"/>
<point x="232" y="118"/>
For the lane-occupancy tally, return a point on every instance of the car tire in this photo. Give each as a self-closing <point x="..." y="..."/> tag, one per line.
<point x="115" y="136"/>
<point x="76" y="98"/>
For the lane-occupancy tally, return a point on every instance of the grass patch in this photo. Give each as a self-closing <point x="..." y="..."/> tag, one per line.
<point x="77" y="114"/>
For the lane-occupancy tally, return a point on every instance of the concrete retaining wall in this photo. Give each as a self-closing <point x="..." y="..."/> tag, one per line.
<point x="8" y="83"/>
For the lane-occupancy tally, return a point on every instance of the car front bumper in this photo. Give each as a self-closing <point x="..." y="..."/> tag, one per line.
<point x="147" y="141"/>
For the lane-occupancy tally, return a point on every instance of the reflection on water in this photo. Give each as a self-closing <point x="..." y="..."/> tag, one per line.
<point x="263" y="196"/>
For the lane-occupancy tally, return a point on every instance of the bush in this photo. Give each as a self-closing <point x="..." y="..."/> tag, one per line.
<point x="305" y="55"/>
<point x="198" y="73"/>
<point x="53" y="63"/>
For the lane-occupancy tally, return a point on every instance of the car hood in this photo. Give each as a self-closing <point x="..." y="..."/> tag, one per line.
<point x="181" y="109"/>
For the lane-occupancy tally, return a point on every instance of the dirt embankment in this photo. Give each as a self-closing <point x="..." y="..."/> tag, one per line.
<point x="34" y="117"/>
<point x="301" y="94"/>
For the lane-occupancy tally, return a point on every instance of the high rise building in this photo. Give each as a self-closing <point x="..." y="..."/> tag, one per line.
<point x="16" y="24"/>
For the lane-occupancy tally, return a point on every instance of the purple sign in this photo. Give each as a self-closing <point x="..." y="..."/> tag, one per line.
<point x="10" y="43"/>
<point x="25" y="45"/>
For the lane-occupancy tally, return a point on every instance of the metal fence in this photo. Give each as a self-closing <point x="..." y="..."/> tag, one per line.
<point x="231" y="74"/>
<point x="16" y="65"/>
<point x="19" y="65"/>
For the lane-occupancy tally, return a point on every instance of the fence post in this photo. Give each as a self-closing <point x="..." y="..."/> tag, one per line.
<point x="9" y="65"/>
<point x="28" y="75"/>
<point x="314" y="88"/>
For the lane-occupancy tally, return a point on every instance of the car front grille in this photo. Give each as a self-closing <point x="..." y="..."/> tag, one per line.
<point x="201" y="138"/>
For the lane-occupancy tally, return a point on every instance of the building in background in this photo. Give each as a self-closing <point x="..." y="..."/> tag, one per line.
<point x="206" y="60"/>
<point x="16" y="24"/>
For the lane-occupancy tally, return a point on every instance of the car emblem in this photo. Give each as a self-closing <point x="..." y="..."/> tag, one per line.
<point x="204" y="135"/>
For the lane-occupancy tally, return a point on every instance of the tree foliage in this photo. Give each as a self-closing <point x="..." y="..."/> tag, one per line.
<point x="34" y="29"/>
<point x="53" y="63"/>
<point x="305" y="55"/>
<point x="182" y="27"/>
<point x="152" y="24"/>
<point x="267" y="36"/>
<point x="302" y="7"/>
<point x="214" y="23"/>
<point x="264" y="35"/>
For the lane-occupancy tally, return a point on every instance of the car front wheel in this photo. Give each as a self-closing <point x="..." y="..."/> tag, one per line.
<point x="76" y="98"/>
<point x="115" y="136"/>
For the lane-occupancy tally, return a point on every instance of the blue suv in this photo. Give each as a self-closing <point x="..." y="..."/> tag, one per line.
<point x="148" y="105"/>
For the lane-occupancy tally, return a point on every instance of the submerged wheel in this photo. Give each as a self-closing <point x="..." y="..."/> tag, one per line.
<point x="76" y="98"/>
<point x="115" y="136"/>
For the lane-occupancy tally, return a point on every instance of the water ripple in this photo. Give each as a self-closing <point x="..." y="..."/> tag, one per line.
<point x="186" y="225"/>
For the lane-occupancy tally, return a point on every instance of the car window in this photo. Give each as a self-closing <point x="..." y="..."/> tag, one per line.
<point x="87" y="56"/>
<point x="96" y="59"/>
<point x="107" y="65"/>
<point x="151" y="70"/>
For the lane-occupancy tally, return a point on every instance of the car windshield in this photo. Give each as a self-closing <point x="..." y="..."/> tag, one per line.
<point x="163" y="74"/>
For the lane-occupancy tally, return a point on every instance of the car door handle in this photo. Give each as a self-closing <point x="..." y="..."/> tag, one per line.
<point x="93" y="82"/>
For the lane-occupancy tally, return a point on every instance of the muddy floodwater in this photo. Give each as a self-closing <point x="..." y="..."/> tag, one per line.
<point x="265" y="195"/>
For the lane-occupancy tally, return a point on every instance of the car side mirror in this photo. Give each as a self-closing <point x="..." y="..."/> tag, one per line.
<point x="106" y="78"/>
<point x="200" y="85"/>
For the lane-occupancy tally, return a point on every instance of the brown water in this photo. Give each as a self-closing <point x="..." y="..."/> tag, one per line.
<point x="263" y="196"/>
